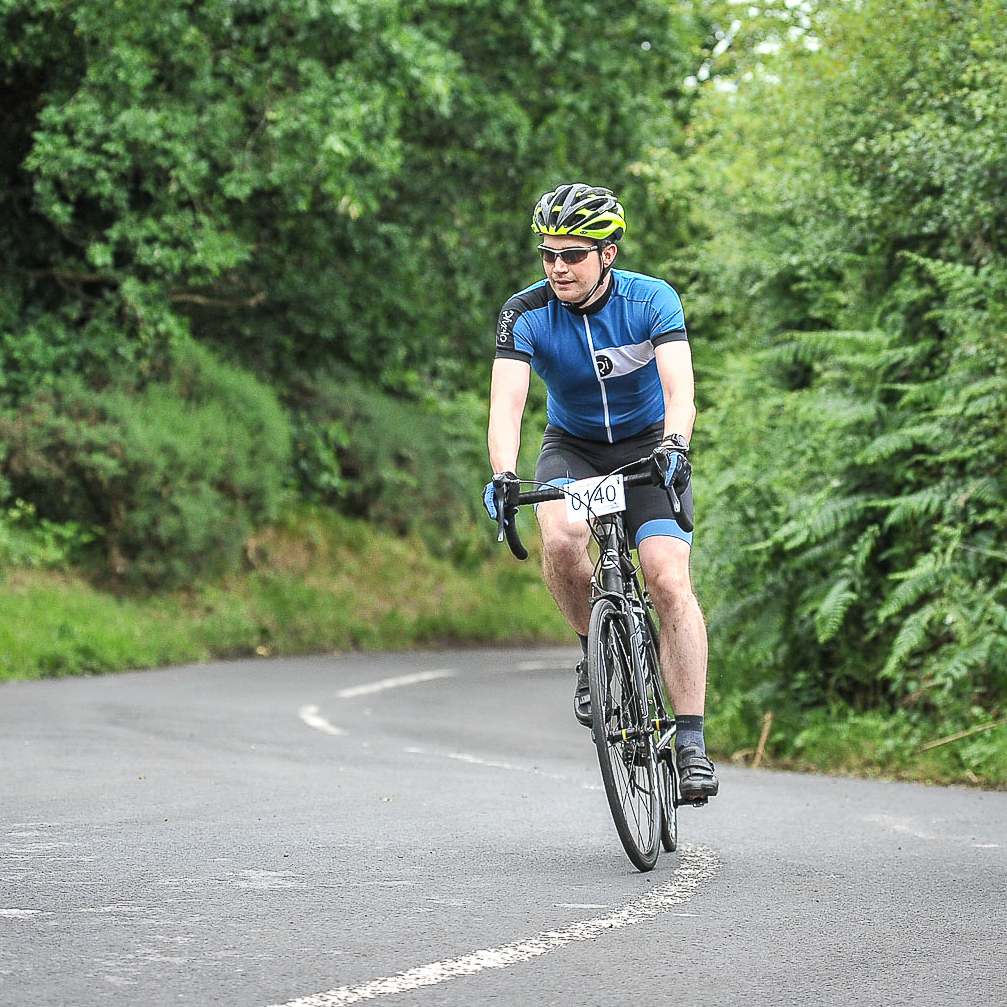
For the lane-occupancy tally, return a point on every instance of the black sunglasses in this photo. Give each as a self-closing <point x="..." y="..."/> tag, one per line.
<point x="571" y="256"/>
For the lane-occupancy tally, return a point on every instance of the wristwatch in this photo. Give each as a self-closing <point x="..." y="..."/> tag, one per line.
<point x="677" y="441"/>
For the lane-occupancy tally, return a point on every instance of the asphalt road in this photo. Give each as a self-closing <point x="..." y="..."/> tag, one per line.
<point x="428" y="829"/>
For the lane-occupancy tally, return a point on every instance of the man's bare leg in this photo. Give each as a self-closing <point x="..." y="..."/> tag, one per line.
<point x="684" y="654"/>
<point x="567" y="570"/>
<point x="566" y="566"/>
<point x="684" y="647"/>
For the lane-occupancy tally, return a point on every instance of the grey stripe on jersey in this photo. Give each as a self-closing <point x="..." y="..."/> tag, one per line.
<point x="618" y="360"/>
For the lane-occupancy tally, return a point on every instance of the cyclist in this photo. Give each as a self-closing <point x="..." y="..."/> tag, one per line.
<point x="611" y="347"/>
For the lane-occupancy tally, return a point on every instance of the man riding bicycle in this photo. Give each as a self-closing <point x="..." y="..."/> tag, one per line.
<point x="611" y="347"/>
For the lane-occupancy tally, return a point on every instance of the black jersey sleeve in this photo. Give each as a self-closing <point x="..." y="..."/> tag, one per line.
<point x="511" y="345"/>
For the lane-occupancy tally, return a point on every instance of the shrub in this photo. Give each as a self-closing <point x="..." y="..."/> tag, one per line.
<point x="412" y="466"/>
<point x="171" y="476"/>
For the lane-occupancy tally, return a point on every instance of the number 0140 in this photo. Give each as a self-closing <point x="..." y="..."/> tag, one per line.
<point x="587" y="498"/>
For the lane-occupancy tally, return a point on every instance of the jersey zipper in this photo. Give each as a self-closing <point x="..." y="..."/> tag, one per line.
<point x="601" y="384"/>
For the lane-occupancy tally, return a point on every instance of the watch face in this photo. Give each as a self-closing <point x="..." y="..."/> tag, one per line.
<point x="678" y="441"/>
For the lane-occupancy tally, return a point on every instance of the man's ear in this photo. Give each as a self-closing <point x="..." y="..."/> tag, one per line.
<point x="614" y="252"/>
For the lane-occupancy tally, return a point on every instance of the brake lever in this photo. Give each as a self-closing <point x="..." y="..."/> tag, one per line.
<point x="498" y="500"/>
<point x="676" y="505"/>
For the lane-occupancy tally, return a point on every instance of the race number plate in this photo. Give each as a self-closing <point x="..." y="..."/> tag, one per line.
<point x="587" y="498"/>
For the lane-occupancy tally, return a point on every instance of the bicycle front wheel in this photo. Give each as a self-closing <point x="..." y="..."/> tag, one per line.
<point x="623" y="735"/>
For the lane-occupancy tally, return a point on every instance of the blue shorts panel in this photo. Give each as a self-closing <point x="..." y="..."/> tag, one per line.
<point x="663" y="526"/>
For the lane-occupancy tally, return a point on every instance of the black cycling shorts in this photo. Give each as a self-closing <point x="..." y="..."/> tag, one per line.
<point x="565" y="458"/>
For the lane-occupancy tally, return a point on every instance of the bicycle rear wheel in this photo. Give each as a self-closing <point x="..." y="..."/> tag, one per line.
<point x="667" y="771"/>
<point x="623" y="736"/>
<point x="669" y="803"/>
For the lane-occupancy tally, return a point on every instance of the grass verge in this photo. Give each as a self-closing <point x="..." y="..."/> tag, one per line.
<point x="869" y="745"/>
<point x="322" y="583"/>
<point x="325" y="583"/>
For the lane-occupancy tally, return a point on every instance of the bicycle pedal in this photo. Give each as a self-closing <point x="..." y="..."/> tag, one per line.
<point x="696" y="802"/>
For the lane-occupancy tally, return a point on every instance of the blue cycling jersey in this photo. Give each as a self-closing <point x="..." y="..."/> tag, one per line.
<point x="597" y="362"/>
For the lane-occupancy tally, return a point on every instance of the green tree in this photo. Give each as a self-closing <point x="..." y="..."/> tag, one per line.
<point x="325" y="194"/>
<point x="853" y="277"/>
<point x="302" y="182"/>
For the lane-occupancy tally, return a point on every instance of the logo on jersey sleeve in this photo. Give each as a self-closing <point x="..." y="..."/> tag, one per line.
<point x="505" y="329"/>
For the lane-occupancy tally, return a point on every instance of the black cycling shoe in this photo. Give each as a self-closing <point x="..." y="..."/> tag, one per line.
<point x="695" y="773"/>
<point x="582" y="696"/>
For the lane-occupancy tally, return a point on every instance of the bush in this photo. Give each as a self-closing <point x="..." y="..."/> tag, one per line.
<point x="171" y="477"/>
<point x="28" y="541"/>
<point x="414" y="467"/>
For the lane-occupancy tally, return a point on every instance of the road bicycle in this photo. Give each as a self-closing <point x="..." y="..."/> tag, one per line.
<point x="633" y="726"/>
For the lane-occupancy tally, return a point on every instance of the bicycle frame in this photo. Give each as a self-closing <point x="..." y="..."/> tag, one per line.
<point x="618" y="578"/>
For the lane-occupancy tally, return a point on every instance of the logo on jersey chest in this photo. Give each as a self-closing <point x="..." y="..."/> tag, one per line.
<point x="615" y="361"/>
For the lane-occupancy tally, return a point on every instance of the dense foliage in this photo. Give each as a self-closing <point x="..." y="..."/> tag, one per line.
<point x="855" y="275"/>
<point x="168" y="478"/>
<point x="317" y="208"/>
<point x="328" y="195"/>
<point x="302" y="182"/>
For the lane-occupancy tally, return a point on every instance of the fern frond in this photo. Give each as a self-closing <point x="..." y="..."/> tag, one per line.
<point x="821" y="521"/>
<point x="990" y="390"/>
<point x="953" y="665"/>
<point x="838" y="413"/>
<point x="863" y="549"/>
<point x="922" y="579"/>
<point x="997" y="615"/>
<point x="910" y="638"/>
<point x="915" y="507"/>
<point x="824" y="344"/>
<point x="833" y="609"/>
<point x="902" y="440"/>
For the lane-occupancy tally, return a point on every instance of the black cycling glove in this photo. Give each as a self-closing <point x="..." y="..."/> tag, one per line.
<point x="669" y="466"/>
<point x="505" y="487"/>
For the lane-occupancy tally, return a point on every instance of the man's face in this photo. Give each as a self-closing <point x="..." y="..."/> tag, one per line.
<point x="573" y="281"/>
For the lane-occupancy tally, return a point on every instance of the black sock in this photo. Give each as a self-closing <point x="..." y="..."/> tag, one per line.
<point x="583" y="643"/>
<point x="689" y="731"/>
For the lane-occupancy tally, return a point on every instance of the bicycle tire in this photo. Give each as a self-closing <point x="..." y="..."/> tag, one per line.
<point x="669" y="803"/>
<point x="623" y="735"/>
<point x="666" y="768"/>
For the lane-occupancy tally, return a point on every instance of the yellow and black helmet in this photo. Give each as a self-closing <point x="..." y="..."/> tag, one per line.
<point x="585" y="211"/>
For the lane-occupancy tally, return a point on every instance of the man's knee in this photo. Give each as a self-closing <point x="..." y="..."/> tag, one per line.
<point x="671" y="586"/>
<point x="560" y="538"/>
<point x="563" y="550"/>
<point x="666" y="569"/>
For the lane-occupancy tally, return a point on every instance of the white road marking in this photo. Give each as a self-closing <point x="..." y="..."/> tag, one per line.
<point x="545" y="665"/>
<point x="395" y="683"/>
<point x="311" y="715"/>
<point x="696" y="865"/>
<point x="908" y="827"/>
<point x="314" y="719"/>
<point x="474" y="760"/>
